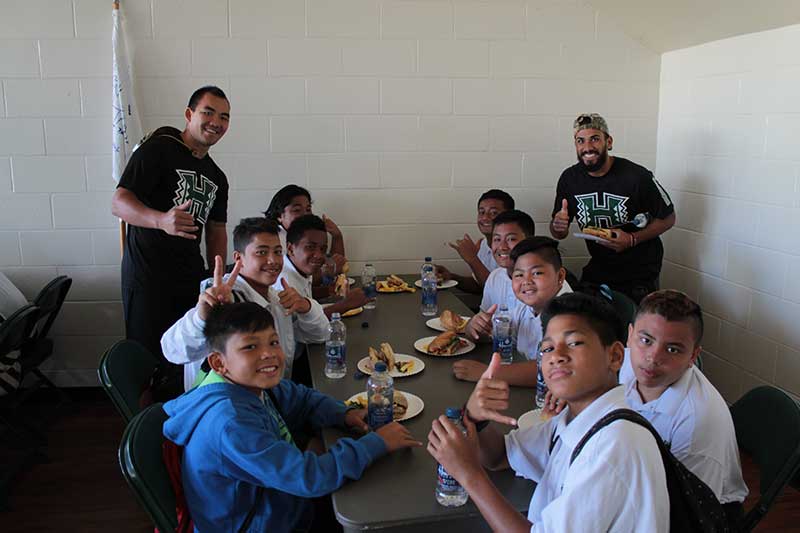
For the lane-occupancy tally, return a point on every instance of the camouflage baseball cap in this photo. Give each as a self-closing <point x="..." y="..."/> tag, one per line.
<point x="590" y="121"/>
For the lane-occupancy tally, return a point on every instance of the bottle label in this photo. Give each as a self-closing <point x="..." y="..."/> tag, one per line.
<point x="541" y="386"/>
<point x="336" y="355"/>
<point x="446" y="482"/>
<point x="428" y="296"/>
<point x="503" y="345"/>
<point x="379" y="415"/>
<point x="370" y="291"/>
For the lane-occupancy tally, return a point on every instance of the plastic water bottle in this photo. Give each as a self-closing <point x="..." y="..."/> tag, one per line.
<point x="429" y="305"/>
<point x="336" y="348"/>
<point x="449" y="492"/>
<point x="541" y="386"/>
<point x="503" y="335"/>
<point x="380" y="397"/>
<point x="368" y="280"/>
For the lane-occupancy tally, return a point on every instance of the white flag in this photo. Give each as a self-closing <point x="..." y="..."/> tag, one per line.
<point x="127" y="129"/>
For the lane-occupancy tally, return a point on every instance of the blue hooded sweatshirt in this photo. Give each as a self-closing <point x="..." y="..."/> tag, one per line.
<point x="233" y="443"/>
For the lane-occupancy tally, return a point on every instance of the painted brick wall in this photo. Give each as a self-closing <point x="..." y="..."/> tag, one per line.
<point x="729" y="120"/>
<point x="396" y="114"/>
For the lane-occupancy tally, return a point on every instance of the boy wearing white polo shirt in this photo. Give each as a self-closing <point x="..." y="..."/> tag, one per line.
<point x="616" y="483"/>
<point x="510" y="227"/>
<point x="663" y="384"/>
<point x="536" y="278"/>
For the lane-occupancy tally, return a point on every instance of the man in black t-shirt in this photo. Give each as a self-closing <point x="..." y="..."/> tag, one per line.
<point x="609" y="192"/>
<point x="170" y="193"/>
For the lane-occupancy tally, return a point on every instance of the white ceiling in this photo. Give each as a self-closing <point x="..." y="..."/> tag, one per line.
<point x="664" y="25"/>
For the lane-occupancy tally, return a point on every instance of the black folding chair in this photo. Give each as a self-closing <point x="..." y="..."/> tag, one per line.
<point x="767" y="423"/>
<point x="39" y="347"/>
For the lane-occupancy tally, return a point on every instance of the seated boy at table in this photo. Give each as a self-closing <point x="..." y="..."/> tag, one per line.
<point x="259" y="260"/>
<point x="510" y="227"/>
<point x="616" y="483"/>
<point x="663" y="384"/>
<point x="294" y="201"/>
<point x="239" y="455"/>
<point x="537" y="277"/>
<point x="306" y="242"/>
<point x="478" y="255"/>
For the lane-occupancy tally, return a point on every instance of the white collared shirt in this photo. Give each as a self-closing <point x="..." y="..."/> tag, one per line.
<point x="486" y="256"/>
<point x="617" y="483"/>
<point x="695" y="422"/>
<point x="528" y="327"/>
<point x="294" y="278"/>
<point x="498" y="290"/>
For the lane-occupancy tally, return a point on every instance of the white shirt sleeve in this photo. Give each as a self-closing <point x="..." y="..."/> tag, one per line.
<point x="528" y="450"/>
<point x="312" y="327"/>
<point x="184" y="341"/>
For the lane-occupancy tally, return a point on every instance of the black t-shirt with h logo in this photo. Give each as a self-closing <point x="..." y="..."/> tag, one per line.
<point x="164" y="174"/>
<point x="617" y="197"/>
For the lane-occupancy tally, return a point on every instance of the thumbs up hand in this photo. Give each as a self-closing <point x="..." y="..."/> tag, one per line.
<point x="490" y="397"/>
<point x="561" y="219"/>
<point x="291" y="300"/>
<point x="178" y="221"/>
<point x="481" y="324"/>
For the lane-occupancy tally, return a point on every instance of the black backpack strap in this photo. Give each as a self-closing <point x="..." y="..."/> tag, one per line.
<point x="273" y="400"/>
<point x="618" y="414"/>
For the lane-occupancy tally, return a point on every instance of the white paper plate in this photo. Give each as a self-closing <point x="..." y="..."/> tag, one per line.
<point x="422" y="346"/>
<point x="530" y="419"/>
<point x="443" y="285"/>
<point x="351" y="281"/>
<point x="436" y="323"/>
<point x="415" y="404"/>
<point x="419" y="366"/>
<point x="588" y="237"/>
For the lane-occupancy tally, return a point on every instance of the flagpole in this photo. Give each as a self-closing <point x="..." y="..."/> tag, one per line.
<point x="126" y="124"/>
<point x="122" y="227"/>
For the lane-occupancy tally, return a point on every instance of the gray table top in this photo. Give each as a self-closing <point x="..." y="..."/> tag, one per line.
<point x="399" y="488"/>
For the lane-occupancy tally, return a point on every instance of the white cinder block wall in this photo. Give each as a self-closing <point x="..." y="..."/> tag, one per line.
<point x="729" y="121"/>
<point x="396" y="114"/>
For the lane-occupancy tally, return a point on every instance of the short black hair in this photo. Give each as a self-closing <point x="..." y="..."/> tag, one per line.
<point x="520" y="218"/>
<point x="598" y="313"/>
<point x="303" y="224"/>
<point x="674" y="306"/>
<point x="248" y="228"/>
<point x="497" y="194"/>
<point x="228" y="319"/>
<point x="282" y="198"/>
<point x="544" y="247"/>
<point x="206" y="89"/>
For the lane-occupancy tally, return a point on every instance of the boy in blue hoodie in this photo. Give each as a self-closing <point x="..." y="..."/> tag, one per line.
<point x="236" y="429"/>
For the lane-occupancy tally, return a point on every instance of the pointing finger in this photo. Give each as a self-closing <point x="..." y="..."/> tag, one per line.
<point x="219" y="268"/>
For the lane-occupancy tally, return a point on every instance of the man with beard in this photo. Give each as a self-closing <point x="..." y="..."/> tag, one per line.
<point x="609" y="192"/>
<point x="172" y="194"/>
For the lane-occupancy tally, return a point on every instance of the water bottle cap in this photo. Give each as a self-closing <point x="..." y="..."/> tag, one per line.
<point x="336" y="316"/>
<point x="503" y="307"/>
<point x="380" y="366"/>
<point x="428" y="259"/>
<point x="453" y="413"/>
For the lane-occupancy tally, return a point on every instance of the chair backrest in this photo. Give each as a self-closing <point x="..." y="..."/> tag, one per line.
<point x="125" y="371"/>
<point x="767" y="423"/>
<point x="142" y="464"/>
<point x="49" y="300"/>
<point x="16" y="329"/>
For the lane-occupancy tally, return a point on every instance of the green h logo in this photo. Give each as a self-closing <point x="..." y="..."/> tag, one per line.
<point x="197" y="188"/>
<point x="610" y="211"/>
